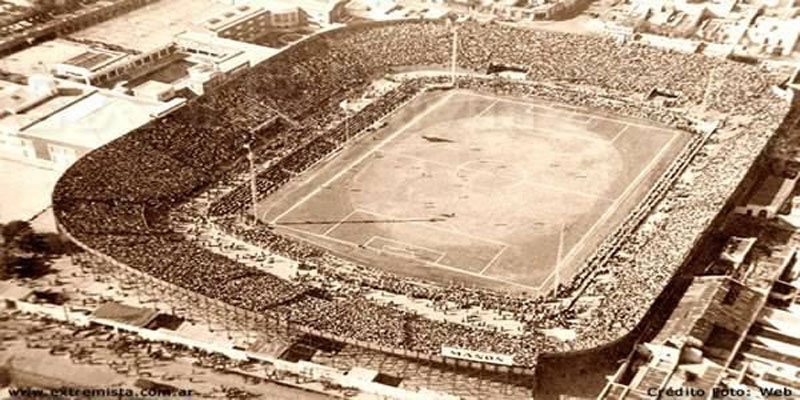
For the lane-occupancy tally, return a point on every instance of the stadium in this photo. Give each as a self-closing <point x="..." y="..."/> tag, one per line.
<point x="556" y="179"/>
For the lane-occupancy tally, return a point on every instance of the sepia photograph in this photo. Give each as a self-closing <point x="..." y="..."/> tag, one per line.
<point x="400" y="199"/>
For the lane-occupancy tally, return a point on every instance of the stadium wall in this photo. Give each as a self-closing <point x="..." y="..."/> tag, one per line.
<point x="271" y="321"/>
<point x="703" y="248"/>
<point x="177" y="296"/>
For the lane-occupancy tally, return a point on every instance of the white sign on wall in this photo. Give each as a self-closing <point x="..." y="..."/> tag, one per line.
<point x="477" y="356"/>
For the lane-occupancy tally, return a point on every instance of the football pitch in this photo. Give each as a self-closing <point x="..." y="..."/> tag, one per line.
<point x="483" y="190"/>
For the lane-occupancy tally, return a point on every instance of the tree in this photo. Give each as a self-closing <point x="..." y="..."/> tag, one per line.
<point x="32" y="266"/>
<point x="56" y="244"/>
<point x="27" y="254"/>
<point x="15" y="229"/>
<point x="6" y="261"/>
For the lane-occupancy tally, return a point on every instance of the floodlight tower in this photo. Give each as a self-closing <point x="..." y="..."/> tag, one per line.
<point x="454" y="58"/>
<point x="559" y="259"/>
<point x="345" y="106"/>
<point x="709" y="88"/>
<point x="251" y="159"/>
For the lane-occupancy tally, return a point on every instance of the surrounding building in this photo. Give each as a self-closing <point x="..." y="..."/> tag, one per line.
<point x="769" y="197"/>
<point x="730" y="28"/>
<point x="247" y="22"/>
<point x="727" y="337"/>
<point x="80" y="94"/>
<point x="51" y="123"/>
<point x="43" y="26"/>
<point x="71" y="84"/>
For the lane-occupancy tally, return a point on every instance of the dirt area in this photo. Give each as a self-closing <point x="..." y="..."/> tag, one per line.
<point x="47" y="355"/>
<point x="485" y="190"/>
<point x="25" y="190"/>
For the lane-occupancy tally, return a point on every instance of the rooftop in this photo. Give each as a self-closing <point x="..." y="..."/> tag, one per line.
<point x="227" y="52"/>
<point x="125" y="314"/>
<point x="696" y="344"/>
<point x="94" y="120"/>
<point x="21" y="106"/>
<point x="766" y="270"/>
<point x="232" y="15"/>
<point x="154" y="25"/>
<point x="773" y="191"/>
<point x="315" y="8"/>
<point x="42" y="57"/>
<point x="152" y="88"/>
<point x="737" y="248"/>
<point x="94" y="59"/>
<point x="712" y="300"/>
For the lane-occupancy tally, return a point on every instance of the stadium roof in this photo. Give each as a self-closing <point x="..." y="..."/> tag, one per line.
<point x="94" y="120"/>
<point x="716" y="301"/>
<point x="773" y="191"/>
<point x="21" y="106"/>
<point x="41" y="58"/>
<point x="737" y="248"/>
<point x="231" y="52"/>
<point x="125" y="314"/>
<point x="317" y="9"/>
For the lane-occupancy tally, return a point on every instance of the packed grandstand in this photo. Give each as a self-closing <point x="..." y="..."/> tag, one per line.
<point x="120" y="199"/>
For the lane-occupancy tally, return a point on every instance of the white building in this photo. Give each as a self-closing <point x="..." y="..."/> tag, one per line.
<point x="51" y="123"/>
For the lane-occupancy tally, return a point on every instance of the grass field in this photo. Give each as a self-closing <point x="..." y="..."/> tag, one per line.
<point x="483" y="190"/>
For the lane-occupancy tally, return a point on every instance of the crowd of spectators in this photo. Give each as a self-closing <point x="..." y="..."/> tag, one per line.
<point x="288" y="110"/>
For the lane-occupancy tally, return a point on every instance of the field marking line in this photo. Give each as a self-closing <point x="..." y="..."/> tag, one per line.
<point x="504" y="100"/>
<point x="532" y="108"/>
<point x="487" y="109"/>
<point x="572" y="117"/>
<point x="621" y="131"/>
<point x="579" y="110"/>
<point x="366" y="155"/>
<point x="553" y="134"/>
<point x="559" y="255"/>
<point x="317" y="235"/>
<point x="569" y="109"/>
<point x="575" y="116"/>
<point x="436" y="228"/>
<point x="320" y="168"/>
<point x="630" y="123"/>
<point x="367" y="243"/>
<point x="346" y="217"/>
<point x="398" y="251"/>
<point x="567" y="191"/>
<point x="615" y="206"/>
<point x="407" y="244"/>
<point x="427" y="263"/>
<point x="492" y="261"/>
<point x="584" y="134"/>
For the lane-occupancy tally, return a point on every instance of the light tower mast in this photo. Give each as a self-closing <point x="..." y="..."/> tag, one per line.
<point x="253" y="198"/>
<point x="709" y="88"/>
<point x="454" y="58"/>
